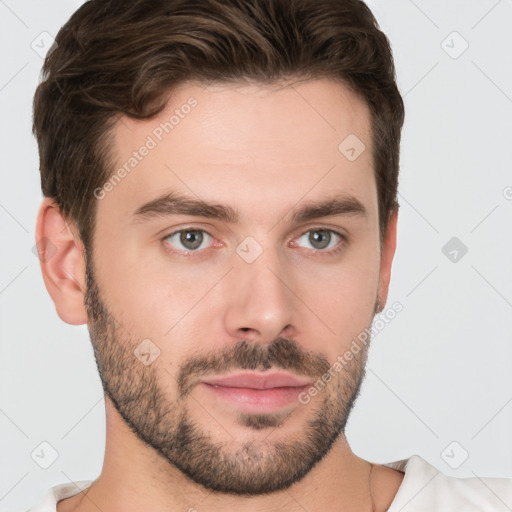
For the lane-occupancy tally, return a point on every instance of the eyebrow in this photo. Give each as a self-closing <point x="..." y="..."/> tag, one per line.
<point x="173" y="203"/>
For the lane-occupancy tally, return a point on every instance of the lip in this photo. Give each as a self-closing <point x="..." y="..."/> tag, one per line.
<point x="260" y="381"/>
<point x="257" y="393"/>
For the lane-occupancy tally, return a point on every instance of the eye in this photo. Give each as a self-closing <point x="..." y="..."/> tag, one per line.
<point x="189" y="239"/>
<point x="320" y="239"/>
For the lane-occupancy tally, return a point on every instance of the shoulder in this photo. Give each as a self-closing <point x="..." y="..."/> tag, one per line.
<point x="49" y="501"/>
<point x="424" y="488"/>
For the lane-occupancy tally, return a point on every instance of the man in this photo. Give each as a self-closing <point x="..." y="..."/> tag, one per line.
<point x="220" y="182"/>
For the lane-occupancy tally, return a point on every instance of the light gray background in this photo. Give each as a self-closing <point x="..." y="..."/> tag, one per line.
<point x="439" y="372"/>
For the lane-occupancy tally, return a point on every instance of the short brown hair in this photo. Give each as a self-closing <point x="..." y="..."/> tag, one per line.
<point x="116" y="57"/>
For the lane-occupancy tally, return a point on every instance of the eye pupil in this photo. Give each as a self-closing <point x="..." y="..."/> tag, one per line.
<point x="320" y="238"/>
<point x="191" y="239"/>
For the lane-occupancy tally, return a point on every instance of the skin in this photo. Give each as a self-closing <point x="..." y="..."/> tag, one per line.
<point x="264" y="151"/>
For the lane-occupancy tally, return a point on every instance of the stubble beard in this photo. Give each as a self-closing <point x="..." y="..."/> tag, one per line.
<point x="260" y="466"/>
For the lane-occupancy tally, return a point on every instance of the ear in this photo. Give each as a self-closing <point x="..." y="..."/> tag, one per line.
<point x="62" y="262"/>
<point x="386" y="258"/>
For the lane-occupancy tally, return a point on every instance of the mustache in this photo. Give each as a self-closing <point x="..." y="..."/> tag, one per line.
<point x="283" y="353"/>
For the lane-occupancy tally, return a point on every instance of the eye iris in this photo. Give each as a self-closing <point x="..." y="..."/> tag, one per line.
<point x="191" y="239"/>
<point x="320" y="239"/>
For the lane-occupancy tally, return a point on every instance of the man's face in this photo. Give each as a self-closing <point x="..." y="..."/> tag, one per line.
<point x="268" y="292"/>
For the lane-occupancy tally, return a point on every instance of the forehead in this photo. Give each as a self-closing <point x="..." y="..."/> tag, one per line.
<point x="242" y="143"/>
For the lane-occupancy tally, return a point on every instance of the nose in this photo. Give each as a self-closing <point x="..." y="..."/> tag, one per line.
<point x="260" y="301"/>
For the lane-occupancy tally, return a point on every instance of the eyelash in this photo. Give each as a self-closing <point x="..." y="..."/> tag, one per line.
<point x="316" y="252"/>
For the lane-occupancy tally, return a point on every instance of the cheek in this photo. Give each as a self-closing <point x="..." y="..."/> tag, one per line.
<point x="170" y="304"/>
<point x="343" y="298"/>
<point x="143" y="289"/>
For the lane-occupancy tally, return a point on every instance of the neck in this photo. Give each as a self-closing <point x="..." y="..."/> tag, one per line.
<point x="134" y="477"/>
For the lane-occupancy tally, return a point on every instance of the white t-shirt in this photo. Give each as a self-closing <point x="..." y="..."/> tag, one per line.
<point x="423" y="489"/>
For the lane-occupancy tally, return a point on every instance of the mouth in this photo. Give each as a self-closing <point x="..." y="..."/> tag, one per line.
<point x="257" y="392"/>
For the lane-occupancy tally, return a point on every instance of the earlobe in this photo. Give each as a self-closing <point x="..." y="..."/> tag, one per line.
<point x="386" y="259"/>
<point x="62" y="263"/>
